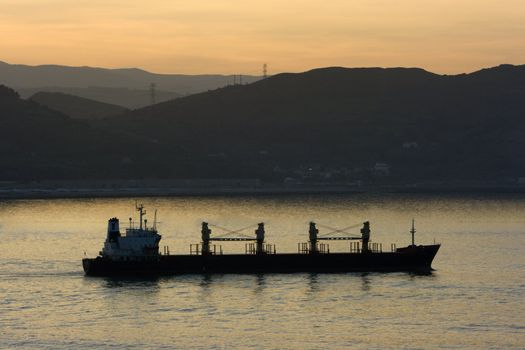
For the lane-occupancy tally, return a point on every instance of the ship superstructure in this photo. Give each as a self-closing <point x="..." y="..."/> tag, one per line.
<point x="137" y="244"/>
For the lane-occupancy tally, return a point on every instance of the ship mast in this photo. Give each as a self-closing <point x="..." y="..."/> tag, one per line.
<point x="155" y="221"/>
<point x="142" y="212"/>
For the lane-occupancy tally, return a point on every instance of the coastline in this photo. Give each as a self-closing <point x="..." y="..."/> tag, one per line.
<point x="50" y="193"/>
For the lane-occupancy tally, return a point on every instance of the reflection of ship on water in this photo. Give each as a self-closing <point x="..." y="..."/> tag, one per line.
<point x="137" y="253"/>
<point x="365" y="285"/>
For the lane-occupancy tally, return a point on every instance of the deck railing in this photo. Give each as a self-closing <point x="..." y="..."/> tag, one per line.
<point x="196" y="249"/>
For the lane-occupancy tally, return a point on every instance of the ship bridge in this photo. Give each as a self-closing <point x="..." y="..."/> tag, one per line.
<point x="138" y="243"/>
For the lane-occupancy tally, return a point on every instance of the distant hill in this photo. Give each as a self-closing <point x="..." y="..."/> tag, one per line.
<point x="45" y="76"/>
<point x="37" y="142"/>
<point x="393" y="126"/>
<point x="421" y="124"/>
<point x="77" y="107"/>
<point x="128" y="98"/>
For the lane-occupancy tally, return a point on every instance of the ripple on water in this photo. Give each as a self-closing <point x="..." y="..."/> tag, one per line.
<point x="473" y="300"/>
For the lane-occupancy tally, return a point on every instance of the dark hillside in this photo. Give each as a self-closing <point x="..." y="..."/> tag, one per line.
<point x="77" y="107"/>
<point x="128" y="98"/>
<point x="39" y="143"/>
<point x="393" y="126"/>
<point x="422" y="124"/>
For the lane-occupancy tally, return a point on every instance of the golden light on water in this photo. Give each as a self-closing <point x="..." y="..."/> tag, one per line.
<point x="473" y="299"/>
<point x="219" y="36"/>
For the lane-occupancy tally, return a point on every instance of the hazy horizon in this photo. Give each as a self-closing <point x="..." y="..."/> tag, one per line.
<point x="238" y="37"/>
<point x="255" y="73"/>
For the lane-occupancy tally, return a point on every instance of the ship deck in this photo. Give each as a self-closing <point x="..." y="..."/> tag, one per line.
<point x="416" y="259"/>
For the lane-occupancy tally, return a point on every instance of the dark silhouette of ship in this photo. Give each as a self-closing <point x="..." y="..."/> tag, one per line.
<point x="137" y="253"/>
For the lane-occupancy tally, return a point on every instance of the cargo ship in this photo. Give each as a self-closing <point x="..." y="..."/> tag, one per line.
<point x="136" y="253"/>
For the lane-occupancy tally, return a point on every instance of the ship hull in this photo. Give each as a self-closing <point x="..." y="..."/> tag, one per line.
<point x="410" y="259"/>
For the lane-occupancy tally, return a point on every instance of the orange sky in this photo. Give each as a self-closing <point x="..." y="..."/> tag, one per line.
<point x="238" y="36"/>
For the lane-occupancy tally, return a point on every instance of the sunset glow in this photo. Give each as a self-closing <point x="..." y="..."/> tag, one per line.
<point x="234" y="36"/>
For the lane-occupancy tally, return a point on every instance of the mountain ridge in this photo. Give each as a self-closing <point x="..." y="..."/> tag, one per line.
<point x="418" y="125"/>
<point x="394" y="106"/>
<point x="27" y="76"/>
<point x="77" y="107"/>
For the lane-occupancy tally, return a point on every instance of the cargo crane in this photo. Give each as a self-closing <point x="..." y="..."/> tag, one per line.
<point x="313" y="246"/>
<point x="257" y="248"/>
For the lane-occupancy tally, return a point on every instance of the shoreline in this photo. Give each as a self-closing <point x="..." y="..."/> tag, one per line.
<point x="52" y="193"/>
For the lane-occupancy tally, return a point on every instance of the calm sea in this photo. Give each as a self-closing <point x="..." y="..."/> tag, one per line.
<point x="475" y="298"/>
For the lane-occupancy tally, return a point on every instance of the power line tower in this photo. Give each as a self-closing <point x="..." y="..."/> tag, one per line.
<point x="265" y="71"/>
<point x="152" y="93"/>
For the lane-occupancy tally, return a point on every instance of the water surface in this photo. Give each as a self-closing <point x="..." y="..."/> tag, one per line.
<point x="474" y="299"/>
